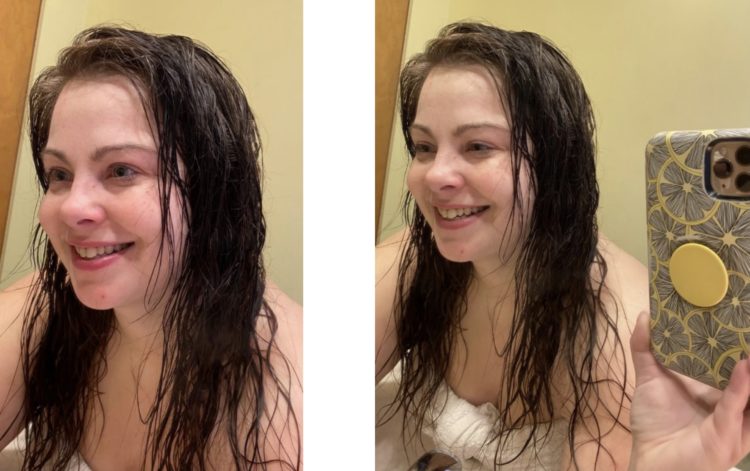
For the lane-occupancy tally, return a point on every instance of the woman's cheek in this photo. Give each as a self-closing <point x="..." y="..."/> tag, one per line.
<point x="45" y="213"/>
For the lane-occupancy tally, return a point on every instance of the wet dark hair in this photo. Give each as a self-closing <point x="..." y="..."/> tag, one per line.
<point x="216" y="381"/>
<point x="559" y="320"/>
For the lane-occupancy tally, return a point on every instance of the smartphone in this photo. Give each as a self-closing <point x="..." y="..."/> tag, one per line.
<point x="698" y="210"/>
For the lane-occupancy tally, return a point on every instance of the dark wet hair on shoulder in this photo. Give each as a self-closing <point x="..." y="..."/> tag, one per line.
<point x="560" y="325"/>
<point x="217" y="383"/>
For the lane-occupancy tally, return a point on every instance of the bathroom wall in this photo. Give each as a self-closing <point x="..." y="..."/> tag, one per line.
<point x="262" y="44"/>
<point x="647" y="66"/>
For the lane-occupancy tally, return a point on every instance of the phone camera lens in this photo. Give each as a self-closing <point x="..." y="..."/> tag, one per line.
<point x="743" y="155"/>
<point x="723" y="168"/>
<point x="743" y="182"/>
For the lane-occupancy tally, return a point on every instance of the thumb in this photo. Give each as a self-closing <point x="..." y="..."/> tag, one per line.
<point x="646" y="366"/>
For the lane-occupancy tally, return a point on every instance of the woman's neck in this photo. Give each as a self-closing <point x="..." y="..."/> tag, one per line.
<point x="494" y="274"/>
<point x="139" y="328"/>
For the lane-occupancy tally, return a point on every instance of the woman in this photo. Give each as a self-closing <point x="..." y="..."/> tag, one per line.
<point x="503" y="310"/>
<point x="503" y="316"/>
<point x="149" y="338"/>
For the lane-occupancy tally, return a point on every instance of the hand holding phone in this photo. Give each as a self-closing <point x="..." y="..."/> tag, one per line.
<point x="676" y="425"/>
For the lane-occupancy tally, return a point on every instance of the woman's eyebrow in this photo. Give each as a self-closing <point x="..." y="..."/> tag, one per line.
<point x="470" y="126"/>
<point x="420" y="127"/>
<point x="463" y="128"/>
<point x="100" y="152"/>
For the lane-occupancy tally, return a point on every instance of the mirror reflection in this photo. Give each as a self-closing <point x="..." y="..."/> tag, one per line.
<point x="484" y="310"/>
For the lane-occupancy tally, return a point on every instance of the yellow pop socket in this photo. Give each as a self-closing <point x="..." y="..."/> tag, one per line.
<point x="698" y="275"/>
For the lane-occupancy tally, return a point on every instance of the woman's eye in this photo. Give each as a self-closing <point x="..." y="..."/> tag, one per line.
<point x="57" y="175"/>
<point x="422" y="148"/>
<point x="478" y="147"/>
<point x="122" y="172"/>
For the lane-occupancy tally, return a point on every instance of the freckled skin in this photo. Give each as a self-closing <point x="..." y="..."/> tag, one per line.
<point x="463" y="159"/>
<point x="112" y="198"/>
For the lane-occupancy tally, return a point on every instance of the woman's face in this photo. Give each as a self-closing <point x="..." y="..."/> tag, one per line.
<point x="102" y="209"/>
<point x="461" y="176"/>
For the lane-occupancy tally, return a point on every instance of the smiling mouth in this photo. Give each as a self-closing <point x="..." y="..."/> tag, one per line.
<point x="453" y="214"/>
<point x="91" y="253"/>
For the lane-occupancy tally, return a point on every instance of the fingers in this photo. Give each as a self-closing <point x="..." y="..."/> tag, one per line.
<point x="646" y="366"/>
<point x="639" y="341"/>
<point x="729" y="413"/>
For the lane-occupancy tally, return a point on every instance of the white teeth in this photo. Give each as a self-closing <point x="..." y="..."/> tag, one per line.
<point x="459" y="212"/>
<point x="93" y="252"/>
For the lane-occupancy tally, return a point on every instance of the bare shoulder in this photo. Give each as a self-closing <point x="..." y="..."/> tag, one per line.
<point x="14" y="296"/>
<point x="626" y="280"/>
<point x="606" y="414"/>
<point x="387" y="259"/>
<point x="281" y="421"/>
<point x="12" y="302"/>
<point x="624" y="296"/>
<point x="289" y="324"/>
<point x="387" y="254"/>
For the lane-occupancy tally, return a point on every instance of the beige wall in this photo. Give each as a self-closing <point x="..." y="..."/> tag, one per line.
<point x="648" y="66"/>
<point x="262" y="44"/>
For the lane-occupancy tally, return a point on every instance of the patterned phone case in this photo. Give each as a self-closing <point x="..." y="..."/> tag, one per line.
<point x="703" y="343"/>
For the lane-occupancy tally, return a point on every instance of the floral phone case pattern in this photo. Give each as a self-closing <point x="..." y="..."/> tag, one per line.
<point x="703" y="343"/>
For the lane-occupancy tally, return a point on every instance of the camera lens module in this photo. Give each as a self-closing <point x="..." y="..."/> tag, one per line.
<point x="722" y="168"/>
<point x="743" y="155"/>
<point x="726" y="168"/>
<point x="743" y="182"/>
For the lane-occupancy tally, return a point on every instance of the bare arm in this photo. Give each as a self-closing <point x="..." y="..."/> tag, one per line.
<point x="283" y="430"/>
<point x="625" y="296"/>
<point x="12" y="302"/>
<point x="387" y="256"/>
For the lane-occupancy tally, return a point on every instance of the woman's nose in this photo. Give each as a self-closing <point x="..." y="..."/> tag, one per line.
<point x="444" y="173"/>
<point x="82" y="204"/>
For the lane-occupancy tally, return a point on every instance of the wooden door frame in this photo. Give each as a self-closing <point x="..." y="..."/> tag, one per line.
<point x="20" y="20"/>
<point x="390" y="35"/>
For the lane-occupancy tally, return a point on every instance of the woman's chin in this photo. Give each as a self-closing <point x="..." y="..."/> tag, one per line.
<point x="454" y="253"/>
<point x="94" y="299"/>
<point x="95" y="304"/>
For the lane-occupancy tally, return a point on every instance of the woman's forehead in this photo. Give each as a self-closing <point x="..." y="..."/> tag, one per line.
<point x="101" y="110"/>
<point x="461" y="92"/>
